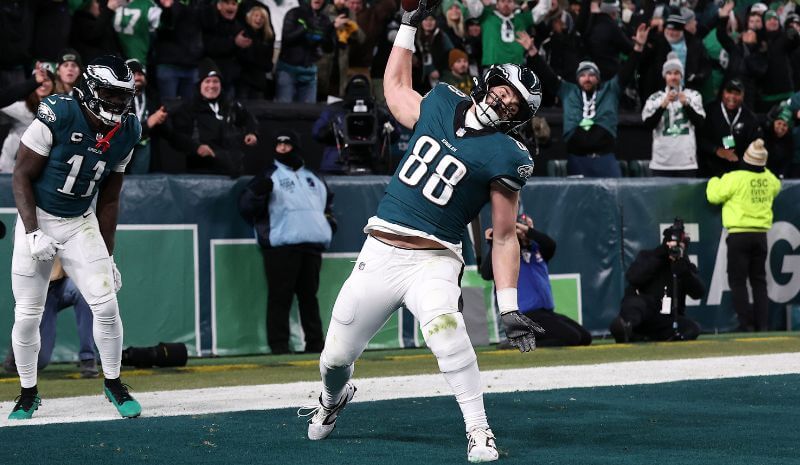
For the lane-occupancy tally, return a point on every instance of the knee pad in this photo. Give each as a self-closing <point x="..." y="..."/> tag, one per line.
<point x="107" y="312"/>
<point x="336" y="355"/>
<point x="26" y="330"/>
<point x="446" y="336"/>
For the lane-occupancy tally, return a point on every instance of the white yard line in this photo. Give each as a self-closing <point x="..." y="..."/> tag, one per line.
<point x="276" y="396"/>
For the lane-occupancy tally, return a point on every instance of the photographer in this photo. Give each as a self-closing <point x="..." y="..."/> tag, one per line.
<point x="356" y="132"/>
<point x="659" y="281"/>
<point x="535" y="295"/>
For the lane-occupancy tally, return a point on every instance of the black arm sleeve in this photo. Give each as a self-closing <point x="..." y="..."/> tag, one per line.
<point x="628" y="69"/>
<point x="254" y="201"/>
<point x="487" y="272"/>
<point x="652" y="121"/>
<point x="696" y="118"/>
<point x="547" y="246"/>
<point x="551" y="82"/>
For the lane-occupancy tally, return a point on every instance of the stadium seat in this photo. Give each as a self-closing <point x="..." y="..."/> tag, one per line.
<point x="623" y="168"/>
<point x="639" y="168"/>
<point x="557" y="168"/>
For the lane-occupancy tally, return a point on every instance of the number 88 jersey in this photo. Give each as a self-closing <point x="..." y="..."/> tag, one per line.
<point x="443" y="180"/>
<point x="75" y="166"/>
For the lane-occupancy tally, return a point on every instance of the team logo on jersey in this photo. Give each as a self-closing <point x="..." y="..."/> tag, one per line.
<point x="287" y="184"/>
<point x="525" y="171"/>
<point x="311" y="183"/>
<point x="45" y="113"/>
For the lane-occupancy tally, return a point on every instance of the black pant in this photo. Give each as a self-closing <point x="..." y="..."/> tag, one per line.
<point x="747" y="258"/>
<point x="292" y="270"/>
<point x="559" y="330"/>
<point x="648" y="324"/>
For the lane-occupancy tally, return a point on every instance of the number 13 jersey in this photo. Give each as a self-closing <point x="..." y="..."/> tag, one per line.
<point x="75" y="166"/>
<point x="443" y="179"/>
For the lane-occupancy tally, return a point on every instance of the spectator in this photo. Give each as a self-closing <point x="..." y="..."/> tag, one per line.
<point x="93" y="32"/>
<point x="793" y="22"/>
<point x="290" y="208"/>
<point x="535" y="295"/>
<point x="68" y="71"/>
<point x="452" y="22"/>
<point x="22" y="113"/>
<point x="215" y="126"/>
<point x="777" y="84"/>
<point x="374" y="19"/>
<point x="673" y="114"/>
<point x="473" y="45"/>
<point x="224" y="38"/>
<point x="562" y="46"/>
<point x="746" y="196"/>
<point x="431" y="56"/>
<point x="747" y="61"/>
<point x="729" y="128"/>
<point x="151" y="114"/>
<point x="256" y="59"/>
<point x="778" y="140"/>
<point x="689" y="49"/>
<point x="605" y="39"/>
<point x="458" y="73"/>
<point x="178" y="48"/>
<point x="658" y="282"/>
<point x="794" y="109"/>
<point x="500" y="26"/>
<point x="590" y="109"/>
<point x="15" y="41"/>
<point x="277" y="12"/>
<point x="307" y="34"/>
<point x="332" y="68"/>
<point x="62" y="294"/>
<point x="135" y="24"/>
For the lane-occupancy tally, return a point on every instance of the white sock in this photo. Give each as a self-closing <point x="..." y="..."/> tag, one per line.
<point x="466" y="385"/>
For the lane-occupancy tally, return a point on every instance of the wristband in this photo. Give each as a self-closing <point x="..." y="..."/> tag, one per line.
<point x="405" y="37"/>
<point x="507" y="300"/>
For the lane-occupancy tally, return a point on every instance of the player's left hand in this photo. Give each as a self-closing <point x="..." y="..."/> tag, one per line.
<point x="521" y="330"/>
<point x="117" y="275"/>
<point x="425" y="8"/>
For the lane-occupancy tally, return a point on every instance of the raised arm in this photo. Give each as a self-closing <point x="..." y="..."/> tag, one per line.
<point x="403" y="101"/>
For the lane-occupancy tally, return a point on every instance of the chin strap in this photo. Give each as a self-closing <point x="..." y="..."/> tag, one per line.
<point x="105" y="142"/>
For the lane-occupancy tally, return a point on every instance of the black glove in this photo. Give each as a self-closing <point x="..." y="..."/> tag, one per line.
<point x="521" y="330"/>
<point x="680" y="266"/>
<point x="425" y="8"/>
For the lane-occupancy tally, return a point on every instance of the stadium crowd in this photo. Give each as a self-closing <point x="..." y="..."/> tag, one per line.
<point x="711" y="76"/>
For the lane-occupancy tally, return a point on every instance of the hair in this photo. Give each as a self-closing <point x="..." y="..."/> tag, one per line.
<point x="269" y="34"/>
<point x="32" y="100"/>
<point x="456" y="27"/>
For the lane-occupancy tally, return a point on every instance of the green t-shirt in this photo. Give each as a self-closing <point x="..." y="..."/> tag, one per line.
<point x="134" y="24"/>
<point x="499" y="36"/>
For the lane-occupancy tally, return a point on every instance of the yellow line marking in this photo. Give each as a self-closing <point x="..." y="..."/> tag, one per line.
<point x="765" y="339"/>
<point x="219" y="368"/>
<point x="409" y="357"/>
<point x="303" y="363"/>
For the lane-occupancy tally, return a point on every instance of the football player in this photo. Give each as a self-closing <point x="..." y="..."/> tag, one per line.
<point x="460" y="157"/>
<point x="75" y="148"/>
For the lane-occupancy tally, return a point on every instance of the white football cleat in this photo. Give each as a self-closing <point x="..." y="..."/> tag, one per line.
<point x="324" y="420"/>
<point x="481" y="446"/>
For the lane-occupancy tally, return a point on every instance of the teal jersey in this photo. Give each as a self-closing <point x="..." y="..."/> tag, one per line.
<point x="75" y="166"/>
<point x="444" y="177"/>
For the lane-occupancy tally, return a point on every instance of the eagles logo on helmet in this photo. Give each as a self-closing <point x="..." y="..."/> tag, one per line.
<point x="106" y="89"/>
<point x="522" y="80"/>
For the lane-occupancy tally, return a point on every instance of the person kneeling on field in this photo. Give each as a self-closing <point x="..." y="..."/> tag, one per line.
<point x="654" y="305"/>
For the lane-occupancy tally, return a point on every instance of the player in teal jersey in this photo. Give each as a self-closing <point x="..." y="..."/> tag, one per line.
<point x="460" y="157"/>
<point x="74" y="149"/>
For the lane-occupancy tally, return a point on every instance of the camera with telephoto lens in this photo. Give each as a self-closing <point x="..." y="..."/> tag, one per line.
<point x="676" y="233"/>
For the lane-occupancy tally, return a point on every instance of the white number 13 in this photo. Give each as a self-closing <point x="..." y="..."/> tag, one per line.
<point x="416" y="167"/>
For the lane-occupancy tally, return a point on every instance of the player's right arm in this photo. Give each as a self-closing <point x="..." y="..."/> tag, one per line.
<point x="28" y="168"/>
<point x="403" y="101"/>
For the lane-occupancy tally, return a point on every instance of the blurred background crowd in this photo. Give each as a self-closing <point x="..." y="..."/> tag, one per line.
<point x="687" y="84"/>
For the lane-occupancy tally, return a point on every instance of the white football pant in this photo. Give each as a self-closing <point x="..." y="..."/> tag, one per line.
<point x="85" y="259"/>
<point x="427" y="282"/>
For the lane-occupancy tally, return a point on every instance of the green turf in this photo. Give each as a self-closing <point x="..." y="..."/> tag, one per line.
<point x="717" y="422"/>
<point x="60" y="380"/>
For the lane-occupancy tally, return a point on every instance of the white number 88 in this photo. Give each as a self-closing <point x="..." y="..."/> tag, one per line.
<point x="416" y="166"/>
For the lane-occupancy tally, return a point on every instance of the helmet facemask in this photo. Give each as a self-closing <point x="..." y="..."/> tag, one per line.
<point x="490" y="108"/>
<point x="106" y="93"/>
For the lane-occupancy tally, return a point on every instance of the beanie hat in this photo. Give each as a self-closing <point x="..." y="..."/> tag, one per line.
<point x="687" y="14"/>
<point x="673" y="63"/>
<point x="454" y="55"/>
<point x="770" y="14"/>
<point x="791" y="18"/>
<point x="756" y="154"/>
<point x="136" y="66"/>
<point x="587" y="67"/>
<point x="286" y="136"/>
<point x="609" y="6"/>
<point x="758" y="9"/>
<point x="207" y="68"/>
<point x="69" y="54"/>
<point x="446" y="4"/>
<point x="676" y="21"/>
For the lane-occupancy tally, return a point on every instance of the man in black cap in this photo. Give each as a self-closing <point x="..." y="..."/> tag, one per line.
<point x="729" y="128"/>
<point x="217" y="127"/>
<point x="290" y="209"/>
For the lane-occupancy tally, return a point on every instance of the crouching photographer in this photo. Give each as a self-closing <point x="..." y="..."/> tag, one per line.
<point x="654" y="305"/>
<point x="357" y="132"/>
